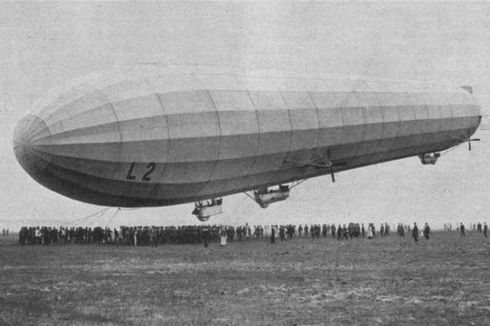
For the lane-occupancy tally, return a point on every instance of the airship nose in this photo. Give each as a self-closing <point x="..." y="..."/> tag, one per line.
<point x="27" y="151"/>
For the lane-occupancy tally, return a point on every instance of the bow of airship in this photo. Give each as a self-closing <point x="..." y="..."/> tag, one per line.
<point x="167" y="138"/>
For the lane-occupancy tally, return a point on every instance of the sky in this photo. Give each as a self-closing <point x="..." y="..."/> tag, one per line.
<point x="44" y="45"/>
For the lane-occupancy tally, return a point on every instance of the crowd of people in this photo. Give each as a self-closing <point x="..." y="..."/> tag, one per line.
<point x="159" y="235"/>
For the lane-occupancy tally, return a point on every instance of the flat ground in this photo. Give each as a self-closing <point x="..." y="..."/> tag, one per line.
<point x="392" y="281"/>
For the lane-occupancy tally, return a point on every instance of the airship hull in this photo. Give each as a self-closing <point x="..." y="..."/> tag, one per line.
<point x="151" y="142"/>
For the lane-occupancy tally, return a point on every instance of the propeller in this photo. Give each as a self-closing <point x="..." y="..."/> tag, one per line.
<point x="469" y="140"/>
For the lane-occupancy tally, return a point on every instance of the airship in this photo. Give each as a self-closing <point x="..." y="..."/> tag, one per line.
<point x="155" y="138"/>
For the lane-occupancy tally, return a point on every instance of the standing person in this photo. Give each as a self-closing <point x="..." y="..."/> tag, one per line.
<point x="345" y="232"/>
<point x="205" y="235"/>
<point x="273" y="234"/>
<point x="153" y="236"/>
<point x="38" y="235"/>
<point x="282" y="235"/>
<point x="485" y="229"/>
<point x="324" y="230"/>
<point x="426" y="231"/>
<point x="461" y="230"/>
<point x="415" y="232"/>
<point x="370" y="232"/>
<point x="223" y="235"/>
<point x="135" y="237"/>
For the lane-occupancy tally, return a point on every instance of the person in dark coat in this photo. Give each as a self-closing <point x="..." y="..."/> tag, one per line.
<point x="415" y="232"/>
<point x="273" y="234"/>
<point x="205" y="235"/>
<point x="282" y="235"/>
<point x="461" y="230"/>
<point x="426" y="231"/>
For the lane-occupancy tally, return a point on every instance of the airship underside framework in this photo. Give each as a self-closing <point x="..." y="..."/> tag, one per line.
<point x="174" y="138"/>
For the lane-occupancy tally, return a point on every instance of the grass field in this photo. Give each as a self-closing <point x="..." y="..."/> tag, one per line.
<point x="389" y="281"/>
